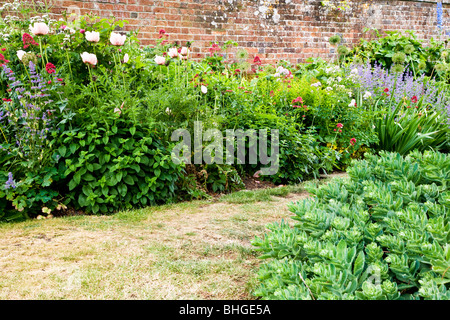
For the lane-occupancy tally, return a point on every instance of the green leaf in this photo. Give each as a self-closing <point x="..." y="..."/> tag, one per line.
<point x="62" y="151"/>
<point x="358" y="266"/>
<point x="72" y="185"/>
<point x="129" y="180"/>
<point x="88" y="177"/>
<point x="73" y="148"/>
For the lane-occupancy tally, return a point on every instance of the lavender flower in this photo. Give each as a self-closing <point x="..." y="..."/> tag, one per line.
<point x="10" y="182"/>
<point x="439" y="14"/>
<point x="375" y="79"/>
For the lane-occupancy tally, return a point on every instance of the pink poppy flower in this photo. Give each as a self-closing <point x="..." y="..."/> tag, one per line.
<point x="39" y="28"/>
<point x="89" y="58"/>
<point x="117" y="39"/>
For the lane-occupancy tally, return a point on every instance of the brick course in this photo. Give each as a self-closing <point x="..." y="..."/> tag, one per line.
<point x="293" y="30"/>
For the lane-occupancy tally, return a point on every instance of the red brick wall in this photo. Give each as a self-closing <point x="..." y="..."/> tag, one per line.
<point x="295" y="30"/>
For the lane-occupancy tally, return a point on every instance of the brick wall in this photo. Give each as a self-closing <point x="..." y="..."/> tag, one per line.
<point x="274" y="29"/>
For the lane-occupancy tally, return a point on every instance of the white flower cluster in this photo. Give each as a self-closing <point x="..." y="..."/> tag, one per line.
<point x="4" y="36"/>
<point x="367" y="95"/>
<point x="354" y="74"/>
<point x="332" y="69"/>
<point x="14" y="6"/>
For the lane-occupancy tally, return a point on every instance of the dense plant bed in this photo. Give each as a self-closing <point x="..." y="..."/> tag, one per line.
<point x="88" y="115"/>
<point x="381" y="234"/>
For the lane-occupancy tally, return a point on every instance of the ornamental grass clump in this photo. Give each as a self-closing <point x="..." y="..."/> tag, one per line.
<point x="382" y="233"/>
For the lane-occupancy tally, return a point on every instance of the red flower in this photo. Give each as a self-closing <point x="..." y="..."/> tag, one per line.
<point x="50" y="67"/>
<point x="257" y="60"/>
<point x="386" y="90"/>
<point x="60" y="80"/>
<point x="414" y="99"/>
<point x="339" y="125"/>
<point x="352" y="141"/>
<point x="162" y="31"/>
<point x="7" y="100"/>
<point x="28" y="40"/>
<point x="3" y="49"/>
<point x="298" y="99"/>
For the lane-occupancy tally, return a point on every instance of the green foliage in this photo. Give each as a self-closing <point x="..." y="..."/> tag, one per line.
<point x="31" y="193"/>
<point x="406" y="127"/>
<point x="111" y="121"/>
<point x="396" y="48"/>
<point x="382" y="234"/>
<point x="300" y="155"/>
<point x="115" y="168"/>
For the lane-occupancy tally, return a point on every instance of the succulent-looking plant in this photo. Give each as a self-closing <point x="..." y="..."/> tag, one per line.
<point x="381" y="234"/>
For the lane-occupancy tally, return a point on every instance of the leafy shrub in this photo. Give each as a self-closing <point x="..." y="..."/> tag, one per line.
<point x="381" y="234"/>
<point x="384" y="50"/>
<point x="115" y="168"/>
<point x="300" y="155"/>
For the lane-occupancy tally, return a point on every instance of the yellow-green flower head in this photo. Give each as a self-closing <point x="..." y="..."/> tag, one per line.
<point x="397" y="68"/>
<point x="399" y="57"/>
<point x="422" y="65"/>
<point x="409" y="49"/>
<point x="242" y="54"/>
<point x="29" y="56"/>
<point x="440" y="67"/>
<point x="335" y="40"/>
<point x="343" y="50"/>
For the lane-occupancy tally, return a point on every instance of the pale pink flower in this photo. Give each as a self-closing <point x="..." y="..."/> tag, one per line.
<point x="173" y="52"/>
<point x="20" y="54"/>
<point x="89" y="58"/>
<point x="117" y="110"/>
<point x="126" y="58"/>
<point x="204" y="89"/>
<point x="160" y="60"/>
<point x="117" y="39"/>
<point x="92" y="36"/>
<point x="39" y="28"/>
<point x="184" y="51"/>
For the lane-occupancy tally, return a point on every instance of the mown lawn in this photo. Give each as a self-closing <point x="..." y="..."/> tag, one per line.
<point x="191" y="250"/>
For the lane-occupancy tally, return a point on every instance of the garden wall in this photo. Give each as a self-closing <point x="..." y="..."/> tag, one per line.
<point x="274" y="29"/>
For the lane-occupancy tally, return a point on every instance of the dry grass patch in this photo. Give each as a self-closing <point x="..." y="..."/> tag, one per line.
<point x="194" y="250"/>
